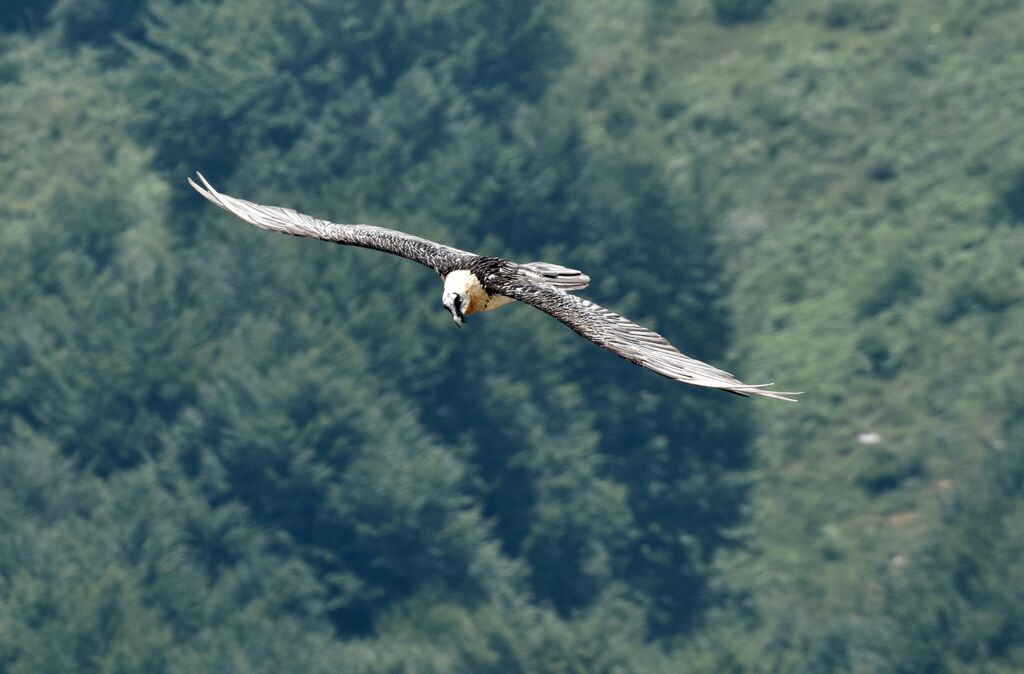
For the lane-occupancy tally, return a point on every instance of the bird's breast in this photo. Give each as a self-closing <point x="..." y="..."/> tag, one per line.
<point x="495" y="301"/>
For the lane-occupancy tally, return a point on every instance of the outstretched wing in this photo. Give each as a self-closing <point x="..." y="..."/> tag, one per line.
<point x="624" y="338"/>
<point x="440" y="258"/>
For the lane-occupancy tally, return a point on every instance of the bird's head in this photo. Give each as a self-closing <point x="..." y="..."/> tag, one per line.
<point x="456" y="303"/>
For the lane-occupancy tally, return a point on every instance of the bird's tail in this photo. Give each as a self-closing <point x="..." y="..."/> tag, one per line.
<point x="557" y="276"/>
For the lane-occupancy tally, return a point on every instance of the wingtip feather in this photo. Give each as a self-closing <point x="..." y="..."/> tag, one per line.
<point x="761" y="390"/>
<point x="208" y="192"/>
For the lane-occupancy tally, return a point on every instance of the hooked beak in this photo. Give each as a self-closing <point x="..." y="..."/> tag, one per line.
<point x="453" y="302"/>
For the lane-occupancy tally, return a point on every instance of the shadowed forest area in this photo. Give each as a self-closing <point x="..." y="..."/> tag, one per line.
<point x="223" y="450"/>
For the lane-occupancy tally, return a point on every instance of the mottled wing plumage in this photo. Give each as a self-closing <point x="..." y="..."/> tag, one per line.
<point x="438" y="257"/>
<point x="624" y="338"/>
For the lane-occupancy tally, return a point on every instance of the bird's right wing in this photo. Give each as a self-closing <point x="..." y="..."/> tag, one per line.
<point x="438" y="257"/>
<point x="626" y="339"/>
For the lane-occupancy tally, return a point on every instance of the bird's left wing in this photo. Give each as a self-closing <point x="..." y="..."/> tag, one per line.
<point x="438" y="257"/>
<point x="626" y="339"/>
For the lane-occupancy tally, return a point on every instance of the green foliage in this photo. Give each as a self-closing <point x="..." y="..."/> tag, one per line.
<point x="97" y="22"/>
<point x="736" y="11"/>
<point x="870" y="15"/>
<point x="23" y="15"/>
<point x="226" y="451"/>
<point x="956" y="603"/>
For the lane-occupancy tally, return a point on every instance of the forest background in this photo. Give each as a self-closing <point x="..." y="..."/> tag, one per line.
<point x="227" y="451"/>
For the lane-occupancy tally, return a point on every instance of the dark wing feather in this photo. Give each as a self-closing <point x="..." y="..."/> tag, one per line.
<point x="440" y="258"/>
<point x="624" y="338"/>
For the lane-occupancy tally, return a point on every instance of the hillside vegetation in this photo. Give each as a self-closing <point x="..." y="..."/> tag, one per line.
<point x="223" y="450"/>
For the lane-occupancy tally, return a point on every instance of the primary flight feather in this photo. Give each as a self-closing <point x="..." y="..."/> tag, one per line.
<point x="474" y="283"/>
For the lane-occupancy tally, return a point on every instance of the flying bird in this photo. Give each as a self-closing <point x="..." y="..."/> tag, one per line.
<point x="477" y="283"/>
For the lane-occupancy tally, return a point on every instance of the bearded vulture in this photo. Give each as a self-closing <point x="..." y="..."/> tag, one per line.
<point x="475" y="283"/>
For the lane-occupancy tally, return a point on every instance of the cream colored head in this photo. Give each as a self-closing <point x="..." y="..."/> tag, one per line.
<point x="461" y="288"/>
<point x="456" y="294"/>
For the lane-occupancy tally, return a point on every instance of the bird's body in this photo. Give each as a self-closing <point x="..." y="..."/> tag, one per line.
<point x="477" y="283"/>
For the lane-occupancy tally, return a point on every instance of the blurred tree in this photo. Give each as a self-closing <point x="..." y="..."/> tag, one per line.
<point x="24" y="15"/>
<point x="736" y="11"/>
<point x="955" y="604"/>
<point x="295" y="72"/>
<point x="96" y="22"/>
